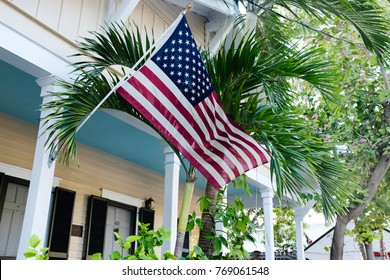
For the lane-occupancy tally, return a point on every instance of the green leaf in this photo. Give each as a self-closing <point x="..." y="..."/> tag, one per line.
<point x="133" y="238"/>
<point x="40" y="257"/>
<point x="166" y="235"/>
<point x="217" y="245"/>
<point x="199" y="222"/>
<point x="34" y="241"/>
<point x="198" y="250"/>
<point x="327" y="249"/>
<point x="30" y="253"/>
<point x="126" y="245"/>
<point x="223" y="241"/>
<point x="169" y="256"/>
<point x="97" y="256"/>
<point x="190" y="225"/>
<point x="204" y="203"/>
<point x="44" y="250"/>
<point x="242" y="226"/>
<point x="115" y="256"/>
<point x="118" y="235"/>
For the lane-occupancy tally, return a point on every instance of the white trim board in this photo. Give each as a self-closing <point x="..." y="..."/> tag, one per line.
<point x="22" y="173"/>
<point x="125" y="199"/>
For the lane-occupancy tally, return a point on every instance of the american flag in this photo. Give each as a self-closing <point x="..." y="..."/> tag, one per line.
<point x="173" y="91"/>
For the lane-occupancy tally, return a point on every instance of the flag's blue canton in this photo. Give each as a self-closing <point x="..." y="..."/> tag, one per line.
<point x="181" y="62"/>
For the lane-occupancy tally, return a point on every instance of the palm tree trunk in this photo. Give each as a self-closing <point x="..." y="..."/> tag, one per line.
<point x="183" y="218"/>
<point x="207" y="244"/>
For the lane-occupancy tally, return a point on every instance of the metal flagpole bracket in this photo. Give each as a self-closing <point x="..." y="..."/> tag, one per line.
<point x="188" y="8"/>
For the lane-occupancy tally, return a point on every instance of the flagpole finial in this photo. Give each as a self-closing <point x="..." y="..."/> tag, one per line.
<point x="188" y="8"/>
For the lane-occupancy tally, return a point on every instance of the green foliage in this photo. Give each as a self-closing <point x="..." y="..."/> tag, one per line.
<point x="258" y="84"/>
<point x="33" y="252"/>
<point x="368" y="19"/>
<point x="113" y="45"/>
<point x="284" y="228"/>
<point x="147" y="240"/>
<point x="375" y="217"/>
<point x="196" y="254"/>
<point x="236" y="223"/>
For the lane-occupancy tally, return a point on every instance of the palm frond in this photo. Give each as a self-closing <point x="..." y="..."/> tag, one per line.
<point x="114" y="45"/>
<point x="250" y="67"/>
<point x="300" y="160"/>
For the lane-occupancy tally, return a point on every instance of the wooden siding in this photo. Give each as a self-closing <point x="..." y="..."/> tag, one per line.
<point x="70" y="18"/>
<point x="97" y="170"/>
<point x="76" y="18"/>
<point x="158" y="15"/>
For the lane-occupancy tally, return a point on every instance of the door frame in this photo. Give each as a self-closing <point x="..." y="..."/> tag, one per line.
<point x="107" y="202"/>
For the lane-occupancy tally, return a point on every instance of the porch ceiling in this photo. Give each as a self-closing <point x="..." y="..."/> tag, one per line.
<point x="20" y="97"/>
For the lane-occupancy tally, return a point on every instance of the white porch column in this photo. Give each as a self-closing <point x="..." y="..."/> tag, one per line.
<point x="171" y="197"/>
<point x="300" y="213"/>
<point x="299" y="236"/>
<point x="39" y="193"/>
<point x="267" y="196"/>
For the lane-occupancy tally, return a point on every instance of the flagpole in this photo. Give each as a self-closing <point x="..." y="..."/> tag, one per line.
<point x="132" y="70"/>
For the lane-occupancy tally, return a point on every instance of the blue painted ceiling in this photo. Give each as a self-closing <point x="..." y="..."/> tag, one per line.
<point x="20" y="97"/>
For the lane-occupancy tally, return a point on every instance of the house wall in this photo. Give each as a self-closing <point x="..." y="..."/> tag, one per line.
<point x="71" y="18"/>
<point x="76" y="18"/>
<point x="97" y="170"/>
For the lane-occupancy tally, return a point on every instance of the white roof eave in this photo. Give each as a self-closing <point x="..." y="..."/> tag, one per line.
<point x="208" y="8"/>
